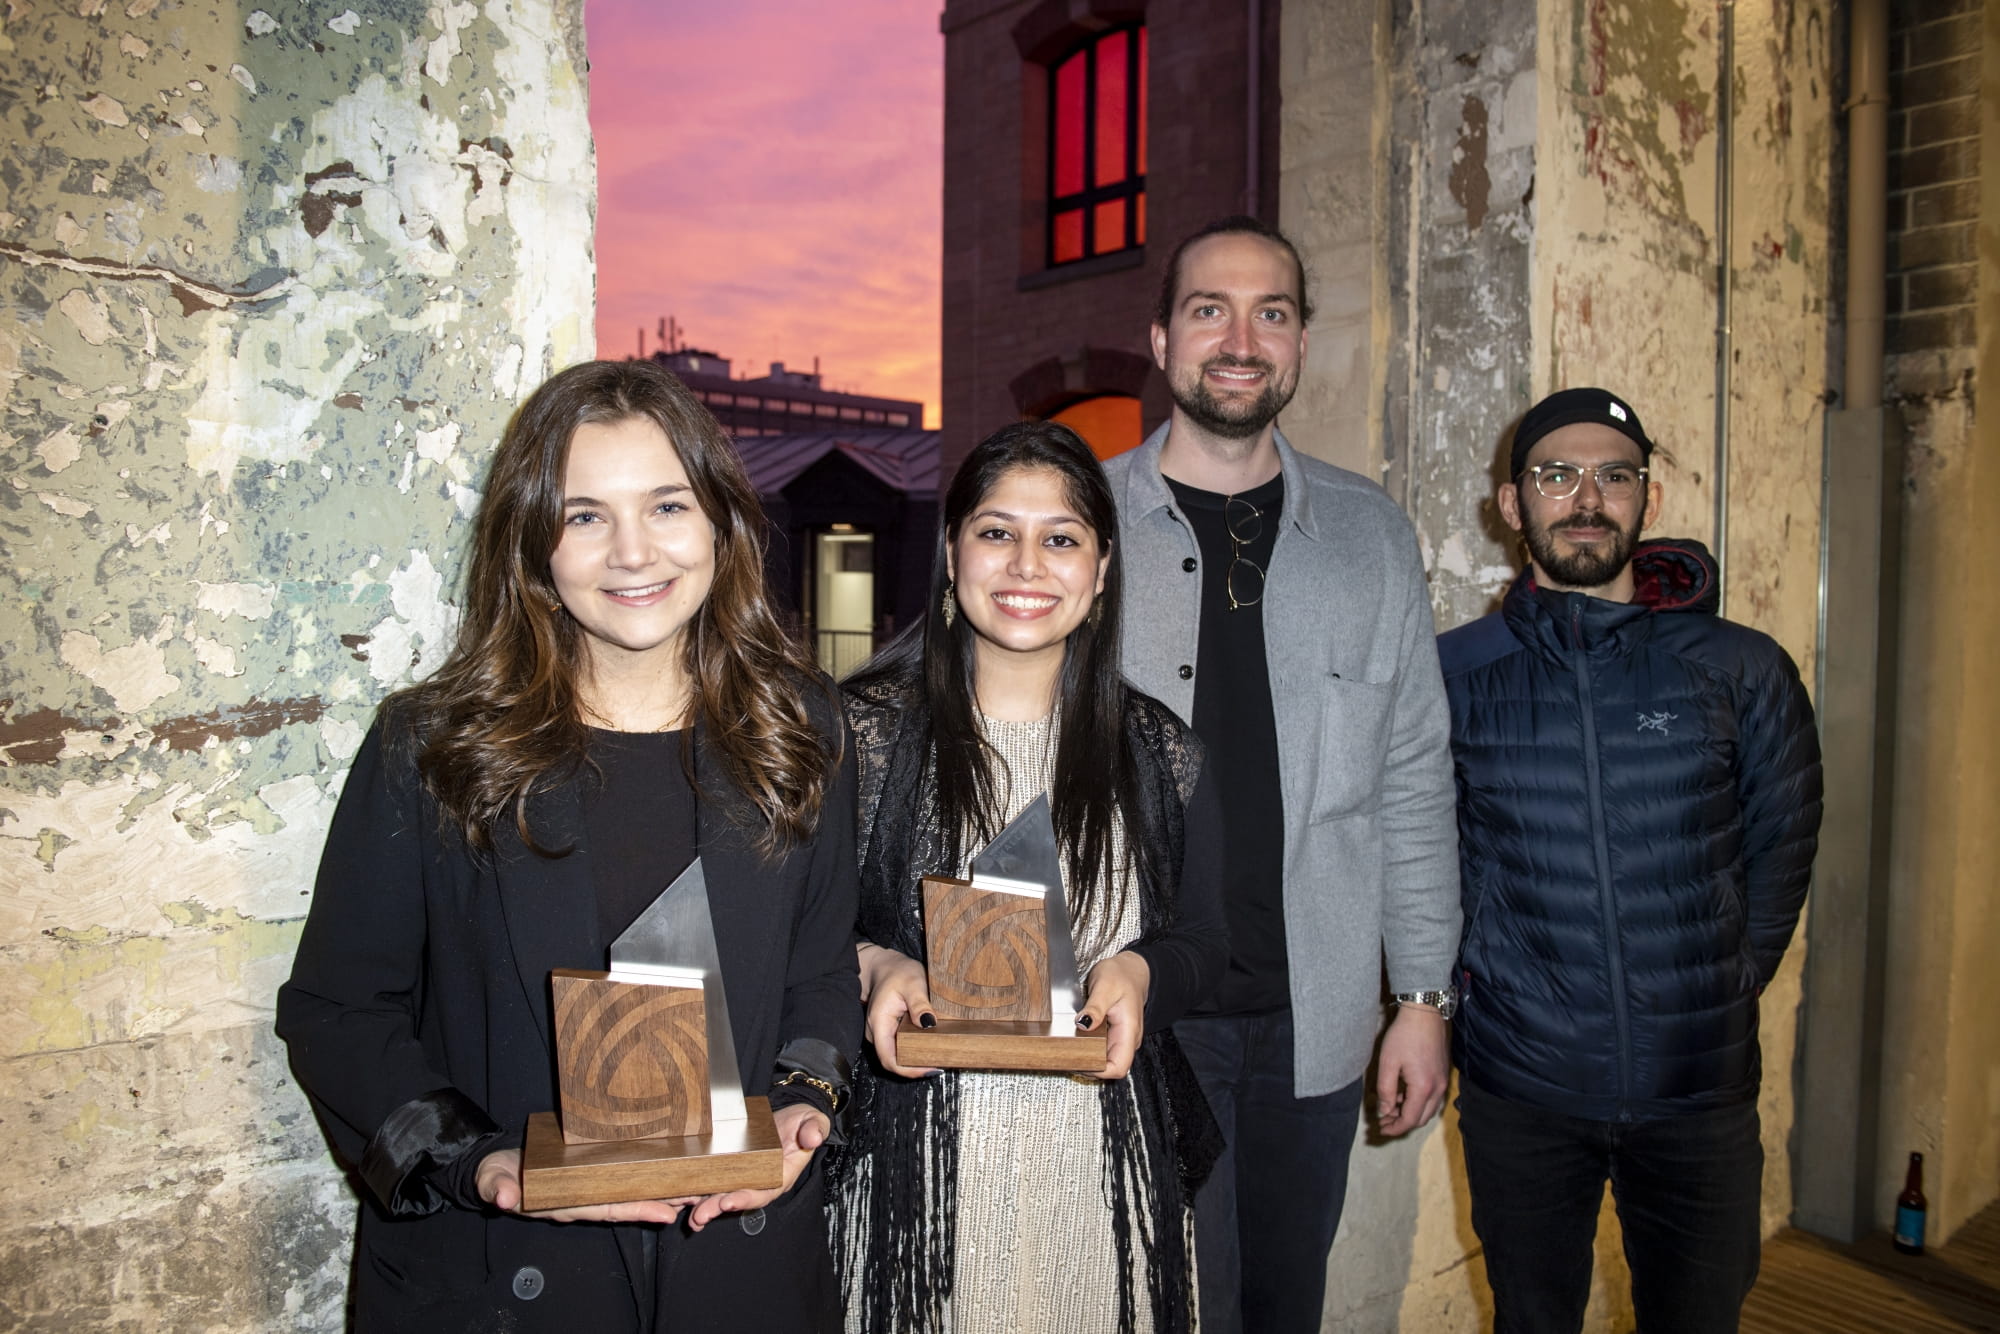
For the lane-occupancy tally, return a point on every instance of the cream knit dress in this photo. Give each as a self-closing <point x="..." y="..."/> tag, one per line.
<point x="1035" y="1243"/>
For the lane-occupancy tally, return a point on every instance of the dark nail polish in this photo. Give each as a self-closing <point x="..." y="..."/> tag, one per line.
<point x="1084" y="1021"/>
<point x="928" y="1020"/>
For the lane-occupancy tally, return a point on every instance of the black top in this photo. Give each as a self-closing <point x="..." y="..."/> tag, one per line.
<point x="639" y="823"/>
<point x="1233" y="718"/>
<point x="419" y="1022"/>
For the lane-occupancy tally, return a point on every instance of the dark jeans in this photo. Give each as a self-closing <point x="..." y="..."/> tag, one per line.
<point x="1265" y="1219"/>
<point x="1687" y="1191"/>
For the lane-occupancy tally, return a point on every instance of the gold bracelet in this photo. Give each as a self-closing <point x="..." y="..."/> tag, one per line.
<point x="832" y="1094"/>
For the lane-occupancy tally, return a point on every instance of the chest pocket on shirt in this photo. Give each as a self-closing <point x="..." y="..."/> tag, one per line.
<point x="1353" y="742"/>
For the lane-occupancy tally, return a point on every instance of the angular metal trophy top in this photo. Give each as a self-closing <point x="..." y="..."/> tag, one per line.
<point x="674" y="940"/>
<point x="1024" y="858"/>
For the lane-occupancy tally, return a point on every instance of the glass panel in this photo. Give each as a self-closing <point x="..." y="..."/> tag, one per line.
<point x="1110" y="226"/>
<point x="1067" y="132"/>
<point x="1139" y="166"/>
<point x="850" y="414"/>
<point x="801" y="407"/>
<point x="1139" y="219"/>
<point x="1068" y="241"/>
<point x="1112" y="109"/>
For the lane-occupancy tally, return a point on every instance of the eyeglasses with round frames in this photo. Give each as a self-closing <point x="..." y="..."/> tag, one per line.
<point x="1244" y="580"/>
<point x="1615" y="481"/>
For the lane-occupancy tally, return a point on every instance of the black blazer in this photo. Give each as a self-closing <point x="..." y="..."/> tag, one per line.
<point x="418" y="1019"/>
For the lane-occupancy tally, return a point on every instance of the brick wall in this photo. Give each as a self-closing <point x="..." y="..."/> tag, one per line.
<point x="1002" y="314"/>
<point x="1933" y="174"/>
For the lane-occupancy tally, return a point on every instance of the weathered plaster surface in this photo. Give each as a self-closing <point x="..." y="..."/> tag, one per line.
<point x="273" y="279"/>
<point x="1626" y="296"/>
<point x="1538" y="200"/>
<point x="1467" y="188"/>
<point x="1333" y="203"/>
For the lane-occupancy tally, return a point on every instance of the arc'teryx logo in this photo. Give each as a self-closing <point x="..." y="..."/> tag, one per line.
<point x="1657" y="722"/>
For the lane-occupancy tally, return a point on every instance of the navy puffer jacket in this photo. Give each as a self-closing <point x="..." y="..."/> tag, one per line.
<point x="1638" y="804"/>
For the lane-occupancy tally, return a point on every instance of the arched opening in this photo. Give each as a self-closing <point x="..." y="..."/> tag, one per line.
<point x="1109" y="423"/>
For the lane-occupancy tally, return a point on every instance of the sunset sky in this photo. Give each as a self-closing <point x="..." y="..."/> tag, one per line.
<point x="769" y="175"/>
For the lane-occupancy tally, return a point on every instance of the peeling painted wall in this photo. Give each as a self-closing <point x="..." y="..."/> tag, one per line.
<point x="1544" y="175"/>
<point x="1625" y="277"/>
<point x="272" y="281"/>
<point x="1468" y="182"/>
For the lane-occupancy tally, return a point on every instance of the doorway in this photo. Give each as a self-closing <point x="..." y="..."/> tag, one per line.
<point x="843" y="598"/>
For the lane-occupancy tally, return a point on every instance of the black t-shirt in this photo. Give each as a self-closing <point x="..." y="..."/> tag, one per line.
<point x="638" y="823"/>
<point x="1232" y="715"/>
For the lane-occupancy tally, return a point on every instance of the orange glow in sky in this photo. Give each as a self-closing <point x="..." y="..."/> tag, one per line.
<point x="769" y="174"/>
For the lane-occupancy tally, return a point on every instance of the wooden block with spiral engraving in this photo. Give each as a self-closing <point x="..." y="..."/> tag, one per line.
<point x="631" y="1057"/>
<point x="989" y="983"/>
<point x="989" y="952"/>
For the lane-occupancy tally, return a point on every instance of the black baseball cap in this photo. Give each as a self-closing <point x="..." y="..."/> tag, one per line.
<point x="1567" y="407"/>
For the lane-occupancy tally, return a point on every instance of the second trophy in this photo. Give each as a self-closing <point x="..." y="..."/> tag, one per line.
<point x="1001" y="963"/>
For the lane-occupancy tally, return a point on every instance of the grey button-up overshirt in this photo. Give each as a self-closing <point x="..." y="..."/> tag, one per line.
<point x="1371" y="841"/>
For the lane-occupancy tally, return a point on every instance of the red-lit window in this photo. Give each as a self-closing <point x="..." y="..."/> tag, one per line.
<point x="1097" y="147"/>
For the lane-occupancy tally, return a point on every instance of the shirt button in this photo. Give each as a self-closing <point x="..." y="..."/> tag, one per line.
<point x="1187" y="672"/>
<point x="1188" y="564"/>
<point x="528" y="1283"/>
<point x="752" y="1222"/>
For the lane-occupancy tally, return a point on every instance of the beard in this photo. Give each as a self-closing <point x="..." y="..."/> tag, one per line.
<point x="1233" y="419"/>
<point x="1584" y="567"/>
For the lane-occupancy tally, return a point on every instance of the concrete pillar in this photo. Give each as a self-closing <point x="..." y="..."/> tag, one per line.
<point x="273" y="281"/>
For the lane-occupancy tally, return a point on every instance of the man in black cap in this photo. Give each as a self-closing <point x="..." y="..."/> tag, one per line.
<point x="1638" y="804"/>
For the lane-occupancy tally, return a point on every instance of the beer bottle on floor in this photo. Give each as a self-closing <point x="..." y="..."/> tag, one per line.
<point x="1910" y="1209"/>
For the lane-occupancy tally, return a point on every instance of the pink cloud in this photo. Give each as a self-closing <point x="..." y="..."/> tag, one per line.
<point x="769" y="173"/>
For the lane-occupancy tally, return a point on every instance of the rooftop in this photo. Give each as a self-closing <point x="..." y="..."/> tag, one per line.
<point x="906" y="461"/>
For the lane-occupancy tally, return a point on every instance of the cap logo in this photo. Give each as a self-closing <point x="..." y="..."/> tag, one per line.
<point x="1615" y="411"/>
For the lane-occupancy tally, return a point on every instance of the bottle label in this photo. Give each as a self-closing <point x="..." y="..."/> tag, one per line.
<point x="1909" y="1225"/>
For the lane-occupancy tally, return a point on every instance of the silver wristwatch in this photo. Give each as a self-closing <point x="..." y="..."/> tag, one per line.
<point x="1445" y="1002"/>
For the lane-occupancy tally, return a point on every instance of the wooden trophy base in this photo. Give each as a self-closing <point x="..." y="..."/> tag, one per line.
<point x="742" y="1155"/>
<point x="999" y="1044"/>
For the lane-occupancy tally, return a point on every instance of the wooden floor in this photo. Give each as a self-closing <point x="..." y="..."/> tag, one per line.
<point x="1807" y="1284"/>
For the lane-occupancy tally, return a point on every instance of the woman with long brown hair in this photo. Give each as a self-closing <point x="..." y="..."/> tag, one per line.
<point x="620" y="700"/>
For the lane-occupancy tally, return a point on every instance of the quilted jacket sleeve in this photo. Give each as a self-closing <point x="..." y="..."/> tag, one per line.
<point x="1779" y="787"/>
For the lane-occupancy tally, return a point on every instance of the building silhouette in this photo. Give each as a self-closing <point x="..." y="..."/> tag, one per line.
<point x="849" y="484"/>
<point x="784" y="402"/>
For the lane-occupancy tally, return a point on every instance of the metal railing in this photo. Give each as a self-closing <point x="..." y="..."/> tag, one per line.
<point x="841" y="651"/>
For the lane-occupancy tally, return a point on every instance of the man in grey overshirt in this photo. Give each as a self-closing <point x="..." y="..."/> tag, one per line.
<point x="1278" y="604"/>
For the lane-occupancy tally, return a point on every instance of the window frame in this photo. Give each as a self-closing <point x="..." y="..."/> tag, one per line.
<point x="1131" y="188"/>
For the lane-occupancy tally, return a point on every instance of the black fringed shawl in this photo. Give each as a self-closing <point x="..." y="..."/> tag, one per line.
<point x="897" y="1181"/>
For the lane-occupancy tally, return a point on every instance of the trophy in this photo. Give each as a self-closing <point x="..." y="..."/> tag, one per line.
<point x="652" y="1106"/>
<point x="1001" y="962"/>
